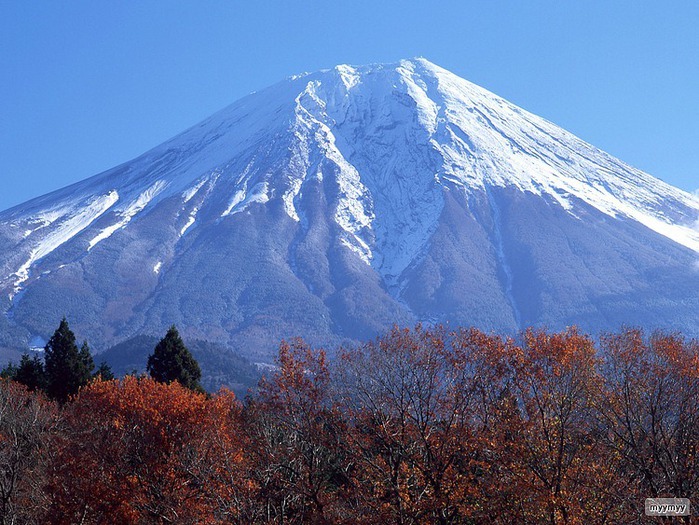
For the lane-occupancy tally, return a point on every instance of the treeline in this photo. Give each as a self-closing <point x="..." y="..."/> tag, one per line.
<point x="420" y="426"/>
<point x="65" y="368"/>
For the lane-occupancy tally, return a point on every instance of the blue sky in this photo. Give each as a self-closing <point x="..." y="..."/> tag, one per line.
<point x="86" y="85"/>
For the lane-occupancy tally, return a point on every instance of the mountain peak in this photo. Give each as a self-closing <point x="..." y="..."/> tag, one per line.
<point x="400" y="185"/>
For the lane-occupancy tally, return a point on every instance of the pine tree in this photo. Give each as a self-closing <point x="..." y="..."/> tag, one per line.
<point x="31" y="373"/>
<point x="67" y="368"/>
<point x="104" y="372"/>
<point x="87" y="362"/>
<point x="9" y="372"/>
<point x="171" y="361"/>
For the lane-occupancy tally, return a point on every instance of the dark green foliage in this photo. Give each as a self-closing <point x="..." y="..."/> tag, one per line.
<point x="31" y="373"/>
<point x="86" y="357"/>
<point x="104" y="372"/>
<point x="67" y="367"/>
<point x="220" y="366"/>
<point x="9" y="372"/>
<point x="171" y="361"/>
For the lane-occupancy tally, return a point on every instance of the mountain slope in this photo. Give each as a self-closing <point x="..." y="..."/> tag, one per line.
<point x="334" y="204"/>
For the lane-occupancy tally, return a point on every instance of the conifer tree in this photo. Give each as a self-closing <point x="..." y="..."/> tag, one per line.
<point x="172" y="361"/>
<point x="67" y="367"/>
<point x="87" y="361"/>
<point x="9" y="372"/>
<point x="31" y="373"/>
<point x="104" y="372"/>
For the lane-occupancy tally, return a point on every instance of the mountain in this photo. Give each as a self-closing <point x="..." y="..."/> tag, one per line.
<point x="337" y="203"/>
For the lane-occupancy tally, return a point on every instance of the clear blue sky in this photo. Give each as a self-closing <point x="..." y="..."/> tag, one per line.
<point x="86" y="85"/>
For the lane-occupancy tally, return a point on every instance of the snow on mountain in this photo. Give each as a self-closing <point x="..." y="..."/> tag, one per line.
<point x="129" y="212"/>
<point x="67" y="226"/>
<point x="380" y="193"/>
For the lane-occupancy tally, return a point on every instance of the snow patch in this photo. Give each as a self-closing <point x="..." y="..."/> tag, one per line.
<point x="427" y="109"/>
<point x="129" y="212"/>
<point x="238" y="197"/>
<point x="65" y="231"/>
<point x="348" y="75"/>
<point x="45" y="218"/>
<point x="354" y="202"/>
<point x="289" y="196"/>
<point x="486" y="141"/>
<point x="242" y="199"/>
<point x="51" y="215"/>
<point x="191" y="192"/>
<point x="192" y="219"/>
<point x="258" y="193"/>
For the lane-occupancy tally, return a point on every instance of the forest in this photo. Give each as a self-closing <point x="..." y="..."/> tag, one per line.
<point x="419" y="426"/>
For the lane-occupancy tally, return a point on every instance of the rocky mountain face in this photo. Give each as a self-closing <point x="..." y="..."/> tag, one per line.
<point x="337" y="203"/>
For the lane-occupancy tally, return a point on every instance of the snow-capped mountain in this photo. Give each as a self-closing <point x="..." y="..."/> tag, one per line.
<point x="337" y="203"/>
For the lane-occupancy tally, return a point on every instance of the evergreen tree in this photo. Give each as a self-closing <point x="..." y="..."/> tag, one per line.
<point x="31" y="373"/>
<point x="104" y="372"/>
<point x="67" y="368"/>
<point x="87" y="362"/>
<point x="171" y="361"/>
<point x="9" y="372"/>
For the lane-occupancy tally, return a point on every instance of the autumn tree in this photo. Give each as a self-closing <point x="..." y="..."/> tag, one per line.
<point x="548" y="445"/>
<point x="140" y="451"/>
<point x="649" y="416"/>
<point x="172" y="361"/>
<point x="494" y="415"/>
<point x="67" y="367"/>
<point x="420" y="426"/>
<point x="29" y="425"/>
<point x="410" y="397"/>
<point x="296" y="437"/>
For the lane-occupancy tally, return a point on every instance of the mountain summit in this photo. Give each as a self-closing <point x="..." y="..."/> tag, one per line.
<point x="336" y="203"/>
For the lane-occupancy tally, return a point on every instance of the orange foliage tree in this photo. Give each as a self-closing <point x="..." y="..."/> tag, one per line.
<point x="557" y="469"/>
<point x="410" y="398"/>
<point x="29" y="425"/>
<point x="420" y="426"/>
<point x="650" y="414"/>
<point x="138" y="451"/>
<point x="296" y="437"/>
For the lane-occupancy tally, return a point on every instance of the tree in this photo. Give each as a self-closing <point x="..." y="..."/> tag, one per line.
<point x="141" y="451"/>
<point x="31" y="373"/>
<point x="296" y="443"/>
<point x="67" y="368"/>
<point x="549" y="443"/>
<point x="172" y="361"/>
<point x="650" y="414"/>
<point x="410" y="398"/>
<point x="9" y="372"/>
<point x="86" y="359"/>
<point x="104" y="372"/>
<point x="29" y="426"/>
